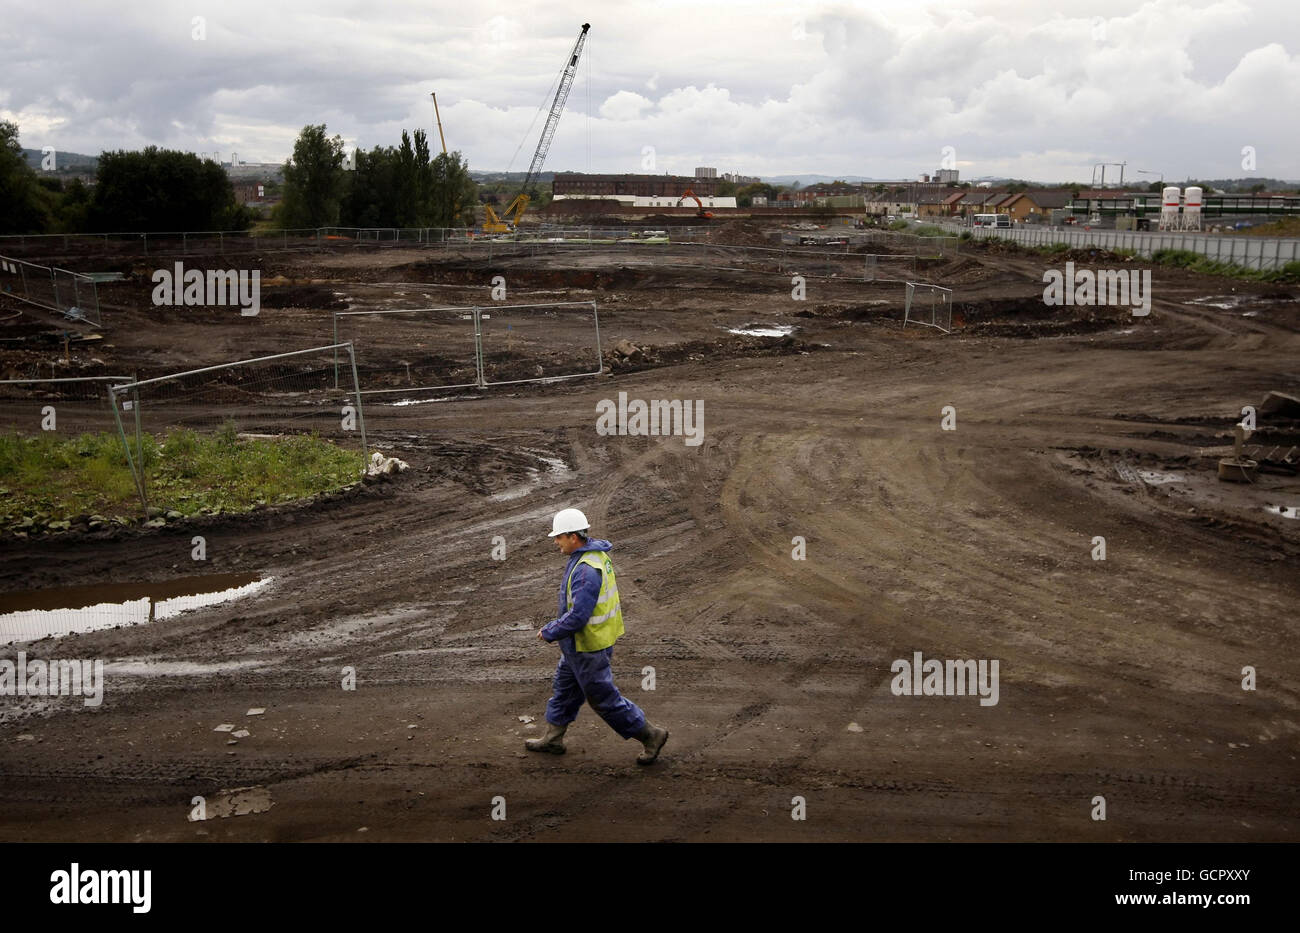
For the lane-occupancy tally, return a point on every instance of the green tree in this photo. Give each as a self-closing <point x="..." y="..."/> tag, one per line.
<point x="74" y="207"/>
<point x="24" y="205"/>
<point x="403" y="187"/>
<point x="314" y="181"/>
<point x="156" y="190"/>
<point x="455" y="195"/>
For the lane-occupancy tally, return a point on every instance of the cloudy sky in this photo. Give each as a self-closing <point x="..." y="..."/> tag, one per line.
<point x="1039" y="90"/>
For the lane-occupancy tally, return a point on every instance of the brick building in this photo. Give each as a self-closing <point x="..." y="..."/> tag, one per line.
<point x="640" y="186"/>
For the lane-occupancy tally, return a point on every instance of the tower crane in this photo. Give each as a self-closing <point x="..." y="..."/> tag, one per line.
<point x="510" y="217"/>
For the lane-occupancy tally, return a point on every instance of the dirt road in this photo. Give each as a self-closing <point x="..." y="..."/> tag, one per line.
<point x="1119" y="678"/>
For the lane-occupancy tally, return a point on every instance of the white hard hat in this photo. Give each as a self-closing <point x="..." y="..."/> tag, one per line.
<point x="567" y="520"/>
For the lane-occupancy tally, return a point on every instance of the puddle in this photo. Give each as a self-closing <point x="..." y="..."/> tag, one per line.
<point x="104" y="276"/>
<point x="763" y="330"/>
<point x="62" y="611"/>
<point x="1286" y="511"/>
<point x="1156" y="478"/>
<point x="426" y="401"/>
<point x="238" y="801"/>
<point x="555" y="468"/>
<point x="147" y="668"/>
<point x="1224" y="302"/>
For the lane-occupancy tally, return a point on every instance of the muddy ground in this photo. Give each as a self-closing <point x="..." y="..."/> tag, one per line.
<point x="1119" y="678"/>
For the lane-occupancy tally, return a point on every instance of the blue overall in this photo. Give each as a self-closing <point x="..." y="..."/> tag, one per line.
<point x="585" y="675"/>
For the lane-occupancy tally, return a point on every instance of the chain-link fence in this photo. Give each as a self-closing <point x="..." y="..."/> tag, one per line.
<point x="73" y="295"/>
<point x="408" y="350"/>
<point x="275" y="427"/>
<point x="404" y="350"/>
<point x="538" y="343"/>
<point x="930" y="305"/>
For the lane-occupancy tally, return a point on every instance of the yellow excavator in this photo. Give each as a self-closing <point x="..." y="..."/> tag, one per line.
<point x="510" y="218"/>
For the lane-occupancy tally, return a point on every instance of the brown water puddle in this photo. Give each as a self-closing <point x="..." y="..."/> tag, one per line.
<point x="39" y="613"/>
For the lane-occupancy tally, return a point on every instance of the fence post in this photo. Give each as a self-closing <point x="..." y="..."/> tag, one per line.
<point x="478" y="348"/>
<point x="136" y="474"/>
<point x="361" y="417"/>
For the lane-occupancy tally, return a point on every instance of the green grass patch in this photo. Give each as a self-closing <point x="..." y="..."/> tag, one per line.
<point x="930" y="230"/>
<point x="1195" y="262"/>
<point x="46" y="477"/>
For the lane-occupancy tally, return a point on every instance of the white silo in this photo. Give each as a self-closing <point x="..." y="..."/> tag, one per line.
<point x="1192" y="208"/>
<point x="1170" y="196"/>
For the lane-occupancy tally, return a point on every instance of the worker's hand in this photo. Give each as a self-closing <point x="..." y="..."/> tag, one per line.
<point x="540" y="636"/>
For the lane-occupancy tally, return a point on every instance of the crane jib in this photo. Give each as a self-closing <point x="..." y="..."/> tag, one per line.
<point x="557" y="108"/>
<point x="520" y="202"/>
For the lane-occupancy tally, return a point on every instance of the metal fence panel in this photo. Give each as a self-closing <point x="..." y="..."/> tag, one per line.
<point x="538" y="343"/>
<point x="927" y="304"/>
<point x="275" y="396"/>
<point x="1248" y="252"/>
<point x="70" y="293"/>
<point x="439" y="348"/>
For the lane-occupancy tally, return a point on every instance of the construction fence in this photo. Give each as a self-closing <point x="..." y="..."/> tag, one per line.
<point x="1246" y="251"/>
<point x="69" y="293"/>
<point x="469" y="347"/>
<point x="928" y="304"/>
<point x="287" y="400"/>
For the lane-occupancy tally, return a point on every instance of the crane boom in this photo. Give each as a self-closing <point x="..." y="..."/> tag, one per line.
<point x="512" y="214"/>
<point x="557" y="108"/>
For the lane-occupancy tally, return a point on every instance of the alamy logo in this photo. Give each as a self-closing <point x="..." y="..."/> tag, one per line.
<point x="86" y="886"/>
<point x="37" y="678"/>
<point x="652" y="419"/>
<point x="218" y="287"/>
<point x="1108" y="287"/>
<point x="934" y="678"/>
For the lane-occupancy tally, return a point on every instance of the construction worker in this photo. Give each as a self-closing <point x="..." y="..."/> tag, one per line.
<point x="590" y="622"/>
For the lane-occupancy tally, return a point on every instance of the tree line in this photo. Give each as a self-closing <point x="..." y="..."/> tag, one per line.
<point x="389" y="186"/>
<point x="157" y="190"/>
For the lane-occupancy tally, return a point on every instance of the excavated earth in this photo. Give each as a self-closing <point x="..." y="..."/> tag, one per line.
<point x="1119" y="678"/>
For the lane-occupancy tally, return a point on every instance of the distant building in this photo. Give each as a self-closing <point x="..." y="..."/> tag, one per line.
<point x="249" y="193"/>
<point x="947" y="176"/>
<point x="627" y="200"/>
<point x="638" y="186"/>
<point x="706" y="172"/>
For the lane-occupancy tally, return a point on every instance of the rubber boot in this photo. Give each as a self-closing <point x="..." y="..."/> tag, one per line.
<point x="653" y="738"/>
<point x="551" y="742"/>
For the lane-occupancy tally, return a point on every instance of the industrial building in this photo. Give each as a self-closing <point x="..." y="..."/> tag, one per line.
<point x="636" y="186"/>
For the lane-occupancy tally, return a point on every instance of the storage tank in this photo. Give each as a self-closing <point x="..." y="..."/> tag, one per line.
<point x="1169" y="199"/>
<point x="1192" y="208"/>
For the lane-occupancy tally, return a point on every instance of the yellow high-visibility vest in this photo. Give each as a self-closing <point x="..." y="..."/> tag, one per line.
<point x="606" y="622"/>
